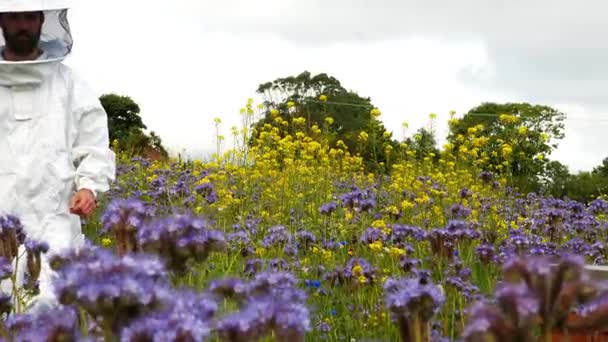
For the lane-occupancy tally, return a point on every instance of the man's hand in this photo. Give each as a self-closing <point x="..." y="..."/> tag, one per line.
<point x="83" y="203"/>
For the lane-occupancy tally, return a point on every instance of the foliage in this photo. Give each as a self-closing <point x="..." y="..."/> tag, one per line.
<point x="126" y="126"/>
<point x="511" y="139"/>
<point x="319" y="98"/>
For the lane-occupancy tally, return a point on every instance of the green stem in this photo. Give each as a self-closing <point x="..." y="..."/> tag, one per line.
<point x="417" y="329"/>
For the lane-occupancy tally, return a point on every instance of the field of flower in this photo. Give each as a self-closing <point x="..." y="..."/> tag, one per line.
<point x="290" y="240"/>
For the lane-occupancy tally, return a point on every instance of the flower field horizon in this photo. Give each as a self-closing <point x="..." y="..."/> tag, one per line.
<point x="292" y="239"/>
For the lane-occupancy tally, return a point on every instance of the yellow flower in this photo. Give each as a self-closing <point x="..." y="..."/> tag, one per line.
<point x="106" y="242"/>
<point x="362" y="279"/>
<point x="290" y="104"/>
<point x="329" y="120"/>
<point x="274" y="112"/>
<point x="323" y="98"/>
<point x="376" y="246"/>
<point x="508" y="119"/>
<point x="406" y="205"/>
<point x="523" y="130"/>
<point x="375" y="112"/>
<point x="363" y="136"/>
<point x="379" y="224"/>
<point x="397" y="252"/>
<point x="506" y="150"/>
<point x="357" y="270"/>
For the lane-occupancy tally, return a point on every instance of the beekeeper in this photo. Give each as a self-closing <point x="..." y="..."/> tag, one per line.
<point x="54" y="150"/>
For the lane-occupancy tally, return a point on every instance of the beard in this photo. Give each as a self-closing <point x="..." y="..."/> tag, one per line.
<point x="22" y="43"/>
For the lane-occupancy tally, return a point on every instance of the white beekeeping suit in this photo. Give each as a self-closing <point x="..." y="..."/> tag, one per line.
<point x="53" y="137"/>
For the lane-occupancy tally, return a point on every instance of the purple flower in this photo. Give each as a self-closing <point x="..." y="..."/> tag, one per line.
<point x="372" y="235"/>
<point x="179" y="239"/>
<point x="485" y="252"/>
<point x="413" y="303"/>
<point x="185" y="317"/>
<point x="108" y="287"/>
<point x="6" y="268"/>
<point x="123" y="218"/>
<point x="409" y="297"/>
<point x="328" y="208"/>
<point x="276" y="235"/>
<point x="253" y="266"/>
<point x="486" y="176"/>
<point x="408" y="265"/>
<point x="274" y="305"/>
<point x="207" y="190"/>
<point x="458" y="211"/>
<point x="229" y="288"/>
<point x="57" y="324"/>
<point x="305" y="238"/>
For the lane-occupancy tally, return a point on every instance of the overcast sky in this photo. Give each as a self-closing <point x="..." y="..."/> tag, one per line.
<point x="188" y="61"/>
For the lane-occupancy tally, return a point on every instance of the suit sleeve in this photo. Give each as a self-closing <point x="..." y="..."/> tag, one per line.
<point x="95" y="161"/>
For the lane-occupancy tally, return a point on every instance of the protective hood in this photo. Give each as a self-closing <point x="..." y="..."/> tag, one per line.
<point x="55" y="42"/>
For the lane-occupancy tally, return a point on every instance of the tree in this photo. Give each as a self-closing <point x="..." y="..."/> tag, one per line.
<point x="512" y="139"/>
<point x="123" y="115"/>
<point x="423" y="144"/>
<point x="318" y="97"/>
<point x="602" y="169"/>
<point x="557" y="179"/>
<point x="126" y="126"/>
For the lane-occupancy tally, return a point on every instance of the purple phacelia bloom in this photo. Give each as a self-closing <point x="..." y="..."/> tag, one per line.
<point x="6" y="268"/>
<point x="371" y="235"/>
<point x="38" y="247"/>
<point x="275" y="236"/>
<point x="598" y="206"/>
<point x="208" y="190"/>
<point x="253" y="266"/>
<point x="517" y="299"/>
<point x="400" y="232"/>
<point x="305" y="238"/>
<point x="238" y="239"/>
<point x="278" y="264"/>
<point x="486" y="176"/>
<point x="408" y="265"/>
<point x="57" y="324"/>
<point x="485" y="252"/>
<point x="274" y="306"/>
<point x="323" y="327"/>
<point x="123" y="218"/>
<point x="107" y="287"/>
<point x="328" y="208"/>
<point x="179" y="239"/>
<point x="458" y="211"/>
<point x="288" y="321"/>
<point x="291" y="250"/>
<point x="185" y="317"/>
<point x="413" y="304"/>
<point x="34" y="263"/>
<point x="127" y="213"/>
<point x="229" y="288"/>
<point x="464" y="193"/>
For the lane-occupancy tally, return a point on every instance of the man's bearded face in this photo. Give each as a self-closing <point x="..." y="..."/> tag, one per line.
<point x="21" y="31"/>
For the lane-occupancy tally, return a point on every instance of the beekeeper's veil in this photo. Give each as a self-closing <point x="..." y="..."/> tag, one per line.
<point x="55" y="41"/>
